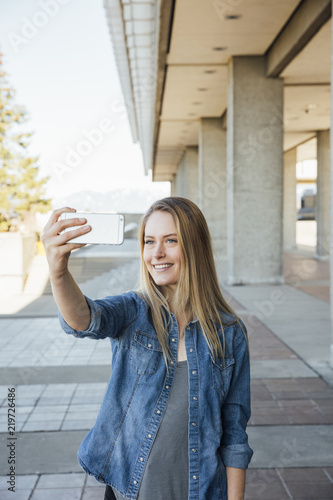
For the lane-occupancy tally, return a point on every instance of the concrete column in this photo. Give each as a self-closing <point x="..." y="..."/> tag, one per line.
<point x="323" y="194"/>
<point x="173" y="191"/>
<point x="212" y="185"/>
<point x="192" y="173"/>
<point x="289" y="199"/>
<point x="255" y="173"/>
<point x="180" y="180"/>
<point x="331" y="210"/>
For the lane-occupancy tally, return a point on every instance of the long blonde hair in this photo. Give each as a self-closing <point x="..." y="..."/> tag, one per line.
<point x="198" y="293"/>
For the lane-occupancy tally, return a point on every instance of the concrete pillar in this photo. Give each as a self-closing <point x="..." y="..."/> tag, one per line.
<point x="323" y="194"/>
<point x="255" y="173"/>
<point x="181" y="178"/>
<point x="331" y="210"/>
<point x="192" y="173"/>
<point x="289" y="199"/>
<point x="212" y="185"/>
<point x="173" y="191"/>
<point x="186" y="179"/>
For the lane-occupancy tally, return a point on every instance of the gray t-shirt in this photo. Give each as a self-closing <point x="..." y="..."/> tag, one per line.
<point x="166" y="472"/>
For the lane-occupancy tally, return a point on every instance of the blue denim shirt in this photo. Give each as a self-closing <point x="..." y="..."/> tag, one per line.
<point x="116" y="449"/>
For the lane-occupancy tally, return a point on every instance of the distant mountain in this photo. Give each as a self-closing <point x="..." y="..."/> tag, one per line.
<point x="120" y="200"/>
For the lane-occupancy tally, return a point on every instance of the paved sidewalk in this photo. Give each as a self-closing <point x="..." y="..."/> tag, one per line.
<point x="60" y="382"/>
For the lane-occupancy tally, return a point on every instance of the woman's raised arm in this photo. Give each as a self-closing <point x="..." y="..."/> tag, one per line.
<point x="67" y="295"/>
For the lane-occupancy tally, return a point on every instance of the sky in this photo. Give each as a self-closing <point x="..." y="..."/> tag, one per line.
<point x="58" y="56"/>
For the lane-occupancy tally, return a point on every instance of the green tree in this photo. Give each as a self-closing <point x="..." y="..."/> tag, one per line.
<point x="22" y="191"/>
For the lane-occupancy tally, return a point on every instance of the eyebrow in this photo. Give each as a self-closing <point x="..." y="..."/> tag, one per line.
<point x="165" y="236"/>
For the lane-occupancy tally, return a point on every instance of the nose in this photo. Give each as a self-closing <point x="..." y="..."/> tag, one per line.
<point x="159" y="251"/>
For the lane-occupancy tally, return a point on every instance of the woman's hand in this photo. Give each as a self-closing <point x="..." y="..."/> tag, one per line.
<point x="56" y="247"/>
<point x="67" y="295"/>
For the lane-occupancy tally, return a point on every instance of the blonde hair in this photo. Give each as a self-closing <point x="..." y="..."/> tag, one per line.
<point x="198" y="293"/>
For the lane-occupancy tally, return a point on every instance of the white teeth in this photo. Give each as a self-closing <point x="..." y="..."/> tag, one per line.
<point x="162" y="266"/>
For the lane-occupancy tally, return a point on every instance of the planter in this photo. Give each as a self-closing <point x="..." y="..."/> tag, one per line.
<point x="16" y="252"/>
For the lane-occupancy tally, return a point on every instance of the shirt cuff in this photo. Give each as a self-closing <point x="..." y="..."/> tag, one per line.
<point x="236" y="455"/>
<point x="94" y="325"/>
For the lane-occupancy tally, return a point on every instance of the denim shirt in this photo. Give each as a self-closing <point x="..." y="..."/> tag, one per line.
<point x="116" y="449"/>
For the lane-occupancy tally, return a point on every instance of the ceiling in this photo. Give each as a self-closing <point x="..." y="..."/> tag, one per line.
<point x="196" y="73"/>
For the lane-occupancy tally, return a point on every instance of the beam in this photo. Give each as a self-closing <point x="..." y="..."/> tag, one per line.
<point x="302" y="26"/>
<point x="165" y="26"/>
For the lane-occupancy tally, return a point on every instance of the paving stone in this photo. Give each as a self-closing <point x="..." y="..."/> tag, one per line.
<point x="313" y="474"/>
<point x="18" y="495"/>
<point x="329" y="472"/>
<point x="264" y="485"/>
<point x="27" y="482"/>
<point x="61" y="481"/>
<point x="57" y="494"/>
<point x="87" y="424"/>
<point x="310" y="491"/>
<point x="50" y="425"/>
<point x="94" y="493"/>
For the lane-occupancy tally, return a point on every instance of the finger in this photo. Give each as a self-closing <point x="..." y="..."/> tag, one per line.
<point x="69" y="235"/>
<point x="74" y="246"/>
<point x="66" y="223"/>
<point x="55" y="216"/>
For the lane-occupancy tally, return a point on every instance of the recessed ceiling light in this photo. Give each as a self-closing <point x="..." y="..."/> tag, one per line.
<point x="218" y="49"/>
<point x="210" y="71"/>
<point x="232" y="16"/>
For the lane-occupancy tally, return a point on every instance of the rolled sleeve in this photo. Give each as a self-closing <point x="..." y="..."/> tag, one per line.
<point x="108" y="317"/>
<point x="93" y="330"/>
<point x="236" y="455"/>
<point x="236" y="410"/>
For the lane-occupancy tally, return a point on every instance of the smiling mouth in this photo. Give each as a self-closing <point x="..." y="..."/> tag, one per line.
<point x="162" y="266"/>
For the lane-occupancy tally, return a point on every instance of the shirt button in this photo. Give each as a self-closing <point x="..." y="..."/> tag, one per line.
<point x="194" y="424"/>
<point x="194" y="477"/>
<point x="195" y="398"/>
<point x="149" y="345"/>
<point x="135" y="482"/>
<point x="191" y="350"/>
<point x="171" y="362"/>
<point x="141" y="459"/>
<point x="194" y="450"/>
<point x="173" y="340"/>
<point x="149" y="435"/>
<point x="158" y="411"/>
<point x="167" y="387"/>
<point x="194" y="372"/>
<point x="188" y="328"/>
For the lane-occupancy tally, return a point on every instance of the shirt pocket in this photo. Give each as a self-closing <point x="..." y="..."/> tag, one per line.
<point x="146" y="353"/>
<point x="222" y="373"/>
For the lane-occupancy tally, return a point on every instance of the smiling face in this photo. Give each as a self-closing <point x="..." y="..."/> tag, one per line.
<point x="162" y="254"/>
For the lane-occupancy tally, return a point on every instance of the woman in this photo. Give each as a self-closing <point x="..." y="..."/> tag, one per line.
<point x="172" y="423"/>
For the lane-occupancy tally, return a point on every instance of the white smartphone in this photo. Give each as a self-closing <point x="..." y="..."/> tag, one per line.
<point x="106" y="228"/>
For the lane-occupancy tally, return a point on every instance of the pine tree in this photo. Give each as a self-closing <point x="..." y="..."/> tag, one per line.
<point x="22" y="191"/>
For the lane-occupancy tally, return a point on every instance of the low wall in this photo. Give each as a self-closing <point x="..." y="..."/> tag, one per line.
<point x="16" y="252"/>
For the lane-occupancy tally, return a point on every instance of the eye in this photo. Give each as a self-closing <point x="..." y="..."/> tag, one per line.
<point x="171" y="240"/>
<point x="148" y="242"/>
